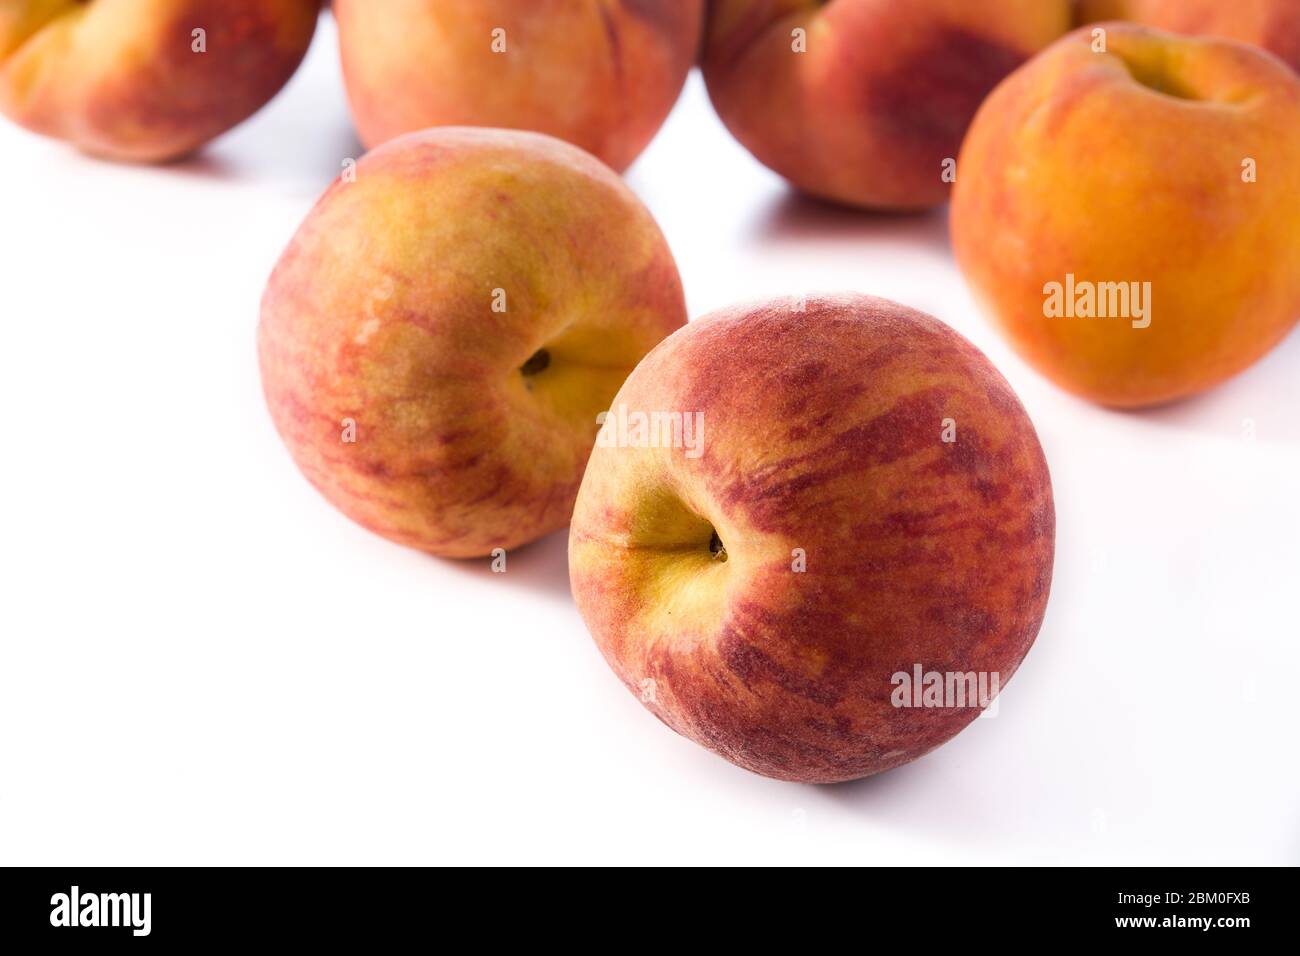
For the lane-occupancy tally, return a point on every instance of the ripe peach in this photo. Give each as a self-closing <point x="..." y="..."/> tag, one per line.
<point x="849" y="491"/>
<point x="602" y="74"/>
<point x="868" y="114"/>
<point x="146" y="80"/>
<point x="440" y="335"/>
<point x="1162" y="173"/>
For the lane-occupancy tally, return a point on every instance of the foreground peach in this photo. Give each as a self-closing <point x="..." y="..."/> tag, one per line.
<point x="849" y="492"/>
<point x="602" y="74"/>
<point x="1271" y="24"/>
<point x="1132" y="218"/>
<point x="438" y="338"/>
<point x="872" y="113"/>
<point x="133" y="80"/>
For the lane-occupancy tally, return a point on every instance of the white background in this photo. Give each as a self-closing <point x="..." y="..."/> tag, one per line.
<point x="201" y="662"/>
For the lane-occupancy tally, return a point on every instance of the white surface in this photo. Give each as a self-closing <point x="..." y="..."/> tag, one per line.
<point x="202" y="662"/>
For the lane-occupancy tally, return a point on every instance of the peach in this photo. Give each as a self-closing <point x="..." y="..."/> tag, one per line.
<point x="1271" y="24"/>
<point x="602" y="74"/>
<point x="1131" y="218"/>
<point x="864" y="102"/>
<point x="838" y="492"/>
<point x="441" y="333"/>
<point x="146" y="80"/>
